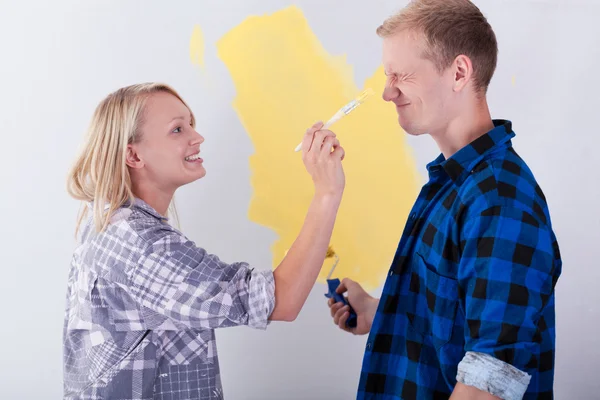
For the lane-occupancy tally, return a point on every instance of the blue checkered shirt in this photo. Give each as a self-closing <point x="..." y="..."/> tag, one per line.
<point x="142" y="305"/>
<point x="470" y="293"/>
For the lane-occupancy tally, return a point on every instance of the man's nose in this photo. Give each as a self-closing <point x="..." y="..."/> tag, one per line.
<point x="390" y="93"/>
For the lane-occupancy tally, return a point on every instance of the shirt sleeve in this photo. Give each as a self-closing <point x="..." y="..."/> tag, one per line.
<point x="183" y="282"/>
<point x="506" y="276"/>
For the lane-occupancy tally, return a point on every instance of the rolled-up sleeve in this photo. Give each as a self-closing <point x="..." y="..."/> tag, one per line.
<point x="181" y="281"/>
<point x="507" y="276"/>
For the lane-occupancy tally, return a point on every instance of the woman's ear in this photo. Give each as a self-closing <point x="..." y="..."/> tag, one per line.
<point x="132" y="158"/>
<point x="463" y="72"/>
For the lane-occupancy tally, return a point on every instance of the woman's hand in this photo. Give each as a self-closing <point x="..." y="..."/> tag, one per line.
<point x="322" y="155"/>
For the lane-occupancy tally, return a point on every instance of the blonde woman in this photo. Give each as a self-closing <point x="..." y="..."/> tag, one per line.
<point x="143" y="300"/>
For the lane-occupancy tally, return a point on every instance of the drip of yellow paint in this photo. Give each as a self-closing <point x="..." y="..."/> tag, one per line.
<point x="197" y="47"/>
<point x="286" y="81"/>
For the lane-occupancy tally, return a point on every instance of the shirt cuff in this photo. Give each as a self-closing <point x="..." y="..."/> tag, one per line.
<point x="493" y="376"/>
<point x="261" y="298"/>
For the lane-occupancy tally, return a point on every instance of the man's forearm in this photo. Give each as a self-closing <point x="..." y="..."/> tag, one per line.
<point x="464" y="392"/>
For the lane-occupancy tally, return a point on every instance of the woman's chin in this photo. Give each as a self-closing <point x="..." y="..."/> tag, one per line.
<point x="201" y="173"/>
<point x="195" y="169"/>
<point x="192" y="176"/>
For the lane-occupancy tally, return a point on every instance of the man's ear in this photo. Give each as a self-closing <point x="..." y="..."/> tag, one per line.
<point x="132" y="158"/>
<point x="463" y="72"/>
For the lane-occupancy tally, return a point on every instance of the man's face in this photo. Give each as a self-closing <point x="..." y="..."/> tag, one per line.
<point x="422" y="95"/>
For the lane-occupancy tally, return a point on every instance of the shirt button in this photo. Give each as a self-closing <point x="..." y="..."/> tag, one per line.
<point x="369" y="345"/>
<point x="412" y="216"/>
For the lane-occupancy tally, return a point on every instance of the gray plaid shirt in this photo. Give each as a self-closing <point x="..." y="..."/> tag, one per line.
<point x="142" y="305"/>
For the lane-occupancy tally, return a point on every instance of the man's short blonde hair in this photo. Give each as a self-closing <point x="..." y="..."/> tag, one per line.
<point x="449" y="28"/>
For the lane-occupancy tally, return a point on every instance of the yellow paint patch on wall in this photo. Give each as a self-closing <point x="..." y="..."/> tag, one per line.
<point x="286" y="81"/>
<point x="197" y="47"/>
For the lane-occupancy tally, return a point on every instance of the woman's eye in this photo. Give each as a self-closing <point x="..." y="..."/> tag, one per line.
<point x="177" y="130"/>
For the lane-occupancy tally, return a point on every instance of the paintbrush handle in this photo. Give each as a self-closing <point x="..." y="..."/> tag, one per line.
<point x="347" y="109"/>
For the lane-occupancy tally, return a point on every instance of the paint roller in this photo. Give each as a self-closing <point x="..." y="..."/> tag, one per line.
<point x="333" y="284"/>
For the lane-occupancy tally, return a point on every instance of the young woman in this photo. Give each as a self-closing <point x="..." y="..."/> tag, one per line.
<point x="143" y="300"/>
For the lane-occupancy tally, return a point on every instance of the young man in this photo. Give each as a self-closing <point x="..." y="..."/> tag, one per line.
<point x="467" y="310"/>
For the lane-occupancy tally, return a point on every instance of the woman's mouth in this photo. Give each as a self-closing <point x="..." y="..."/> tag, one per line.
<point x="194" y="158"/>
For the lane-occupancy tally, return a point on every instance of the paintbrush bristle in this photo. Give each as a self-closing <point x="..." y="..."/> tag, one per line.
<point x="364" y="95"/>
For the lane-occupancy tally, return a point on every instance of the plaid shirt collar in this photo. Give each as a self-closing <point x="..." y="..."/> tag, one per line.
<point x="142" y="205"/>
<point x="139" y="204"/>
<point x="459" y="165"/>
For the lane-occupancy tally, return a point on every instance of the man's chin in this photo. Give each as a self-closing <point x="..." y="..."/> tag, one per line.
<point x="409" y="128"/>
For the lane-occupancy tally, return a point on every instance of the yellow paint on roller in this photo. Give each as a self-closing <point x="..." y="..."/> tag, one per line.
<point x="286" y="81"/>
<point x="197" y="47"/>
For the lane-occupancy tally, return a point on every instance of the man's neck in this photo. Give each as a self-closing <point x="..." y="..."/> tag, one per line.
<point x="472" y="123"/>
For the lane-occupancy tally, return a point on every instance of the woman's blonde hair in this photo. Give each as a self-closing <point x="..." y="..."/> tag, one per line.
<point x="100" y="175"/>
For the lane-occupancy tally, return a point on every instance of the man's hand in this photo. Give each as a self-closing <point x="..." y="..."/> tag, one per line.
<point x="363" y="304"/>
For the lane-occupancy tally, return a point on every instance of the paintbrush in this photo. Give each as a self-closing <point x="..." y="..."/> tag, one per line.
<point x="347" y="109"/>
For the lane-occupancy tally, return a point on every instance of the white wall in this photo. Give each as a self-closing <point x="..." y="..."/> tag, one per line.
<point x="59" y="58"/>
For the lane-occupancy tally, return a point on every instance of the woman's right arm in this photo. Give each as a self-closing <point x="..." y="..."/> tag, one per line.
<point x="297" y="273"/>
<point x="182" y="282"/>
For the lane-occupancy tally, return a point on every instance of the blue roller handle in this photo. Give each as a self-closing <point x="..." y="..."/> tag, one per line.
<point x="333" y="285"/>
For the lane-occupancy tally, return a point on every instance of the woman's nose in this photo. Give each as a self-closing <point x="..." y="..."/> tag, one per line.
<point x="198" y="139"/>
